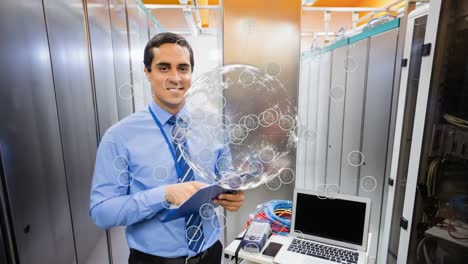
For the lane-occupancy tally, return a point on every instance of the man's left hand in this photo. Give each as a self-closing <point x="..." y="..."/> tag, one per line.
<point x="231" y="202"/>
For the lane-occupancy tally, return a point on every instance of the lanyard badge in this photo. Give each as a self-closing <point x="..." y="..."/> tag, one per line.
<point x="168" y="142"/>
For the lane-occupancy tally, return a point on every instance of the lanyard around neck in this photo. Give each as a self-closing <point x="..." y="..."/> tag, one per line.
<point x="168" y="142"/>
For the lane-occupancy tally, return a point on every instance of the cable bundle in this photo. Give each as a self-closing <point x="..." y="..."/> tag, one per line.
<point x="277" y="213"/>
<point x="456" y="121"/>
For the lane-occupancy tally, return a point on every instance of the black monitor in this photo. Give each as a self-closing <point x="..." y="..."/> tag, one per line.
<point x="333" y="218"/>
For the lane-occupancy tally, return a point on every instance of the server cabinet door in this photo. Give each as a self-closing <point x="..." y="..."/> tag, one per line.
<point x="121" y="56"/>
<point x="376" y="126"/>
<point x="68" y="36"/>
<point x="33" y="169"/>
<point x="414" y="40"/>
<point x="352" y="158"/>
<point x="3" y="249"/>
<point x="102" y="63"/>
<point x="313" y="88"/>
<point x="434" y="223"/>
<point x="7" y="243"/>
<point x="335" y="126"/>
<point x="138" y="37"/>
<point x="302" y="116"/>
<point x="320" y="135"/>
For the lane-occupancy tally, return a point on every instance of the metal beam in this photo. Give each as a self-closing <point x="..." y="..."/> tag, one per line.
<point x="157" y="6"/>
<point x="318" y="34"/>
<point x="345" y="9"/>
<point x="330" y="9"/>
<point x="188" y="32"/>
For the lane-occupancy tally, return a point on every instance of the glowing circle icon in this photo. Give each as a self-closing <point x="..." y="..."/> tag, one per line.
<point x="355" y="158"/>
<point x="120" y="163"/>
<point x="267" y="155"/>
<point x="160" y="174"/>
<point x="193" y="233"/>
<point x="207" y="211"/>
<point x="274" y="184"/>
<point x="286" y="175"/>
<point x="368" y="184"/>
<point x="273" y="69"/>
<point x="286" y="122"/>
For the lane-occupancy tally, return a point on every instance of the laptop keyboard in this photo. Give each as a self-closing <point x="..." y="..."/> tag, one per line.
<point x="338" y="255"/>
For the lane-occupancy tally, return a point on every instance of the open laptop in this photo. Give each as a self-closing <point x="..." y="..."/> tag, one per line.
<point x="327" y="229"/>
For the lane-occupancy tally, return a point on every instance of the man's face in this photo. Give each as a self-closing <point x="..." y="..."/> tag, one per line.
<point x="170" y="76"/>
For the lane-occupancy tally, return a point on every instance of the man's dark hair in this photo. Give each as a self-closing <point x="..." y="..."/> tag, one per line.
<point x="163" y="38"/>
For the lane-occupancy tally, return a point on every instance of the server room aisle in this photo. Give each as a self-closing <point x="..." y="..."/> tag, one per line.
<point x="365" y="100"/>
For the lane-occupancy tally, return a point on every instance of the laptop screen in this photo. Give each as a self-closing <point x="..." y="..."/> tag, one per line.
<point x="336" y="219"/>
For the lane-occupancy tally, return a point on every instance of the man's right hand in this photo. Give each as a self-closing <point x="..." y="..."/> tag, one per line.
<point x="178" y="193"/>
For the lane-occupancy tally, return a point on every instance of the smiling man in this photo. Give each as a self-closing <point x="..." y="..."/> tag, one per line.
<point x="139" y="170"/>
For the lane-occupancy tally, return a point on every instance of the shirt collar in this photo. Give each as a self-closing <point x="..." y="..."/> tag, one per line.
<point x="163" y="116"/>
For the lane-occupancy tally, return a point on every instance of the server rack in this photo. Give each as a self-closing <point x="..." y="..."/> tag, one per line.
<point x="435" y="199"/>
<point x="354" y="117"/>
<point x="65" y="71"/>
<point x="411" y="66"/>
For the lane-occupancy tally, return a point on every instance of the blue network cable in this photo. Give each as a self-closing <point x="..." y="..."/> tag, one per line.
<point x="277" y="213"/>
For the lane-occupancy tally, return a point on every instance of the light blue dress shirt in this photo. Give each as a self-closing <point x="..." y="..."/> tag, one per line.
<point x="133" y="167"/>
